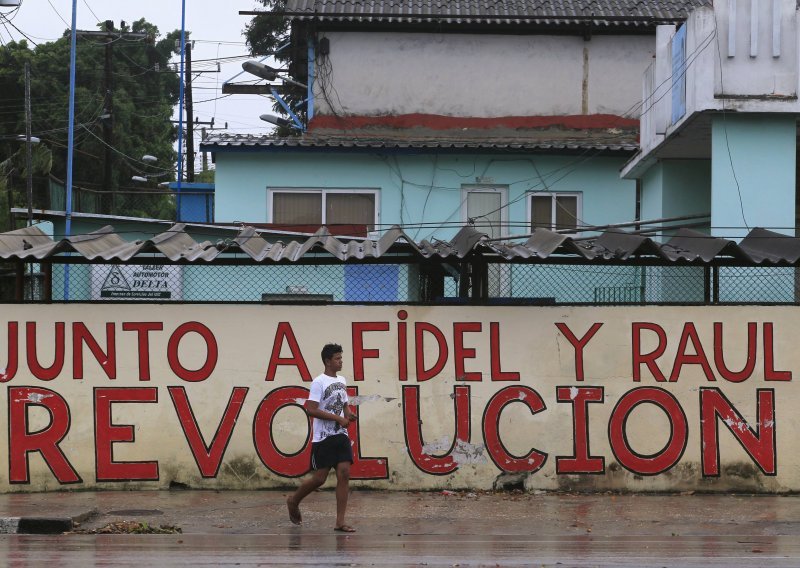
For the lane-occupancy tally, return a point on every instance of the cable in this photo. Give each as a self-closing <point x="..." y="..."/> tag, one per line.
<point x="59" y="14"/>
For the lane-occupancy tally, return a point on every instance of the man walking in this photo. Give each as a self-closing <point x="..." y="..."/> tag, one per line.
<point x="330" y="448"/>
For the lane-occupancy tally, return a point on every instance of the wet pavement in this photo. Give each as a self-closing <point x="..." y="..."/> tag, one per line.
<point x="403" y="529"/>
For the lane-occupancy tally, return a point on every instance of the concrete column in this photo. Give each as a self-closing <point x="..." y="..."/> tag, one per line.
<point x="753" y="175"/>
<point x="676" y="188"/>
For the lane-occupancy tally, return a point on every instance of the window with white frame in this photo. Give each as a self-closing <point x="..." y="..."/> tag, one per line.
<point x="554" y="211"/>
<point x="323" y="207"/>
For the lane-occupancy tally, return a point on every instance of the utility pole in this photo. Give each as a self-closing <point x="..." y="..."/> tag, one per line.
<point x="28" y="156"/>
<point x="109" y="35"/>
<point x="189" y="115"/>
<point x="108" y="121"/>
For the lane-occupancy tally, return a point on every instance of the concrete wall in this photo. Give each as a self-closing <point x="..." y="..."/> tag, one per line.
<point x="675" y="188"/>
<point x="635" y="399"/>
<point x="753" y="173"/>
<point x="481" y="75"/>
<point x="428" y="186"/>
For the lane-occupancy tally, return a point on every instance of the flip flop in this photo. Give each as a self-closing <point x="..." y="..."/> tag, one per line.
<point x="294" y="512"/>
<point x="345" y="528"/>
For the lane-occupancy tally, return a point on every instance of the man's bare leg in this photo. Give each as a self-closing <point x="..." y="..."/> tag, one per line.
<point x="342" y="492"/>
<point x="311" y="484"/>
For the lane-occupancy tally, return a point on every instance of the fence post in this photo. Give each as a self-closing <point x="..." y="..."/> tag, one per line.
<point x="707" y="285"/>
<point x="465" y="280"/>
<point x="47" y="284"/>
<point x="715" y="289"/>
<point x="480" y="279"/>
<point x="19" y="281"/>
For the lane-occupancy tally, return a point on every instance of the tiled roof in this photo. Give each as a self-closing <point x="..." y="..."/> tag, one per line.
<point x="597" y="12"/>
<point x="760" y="247"/>
<point x="221" y="141"/>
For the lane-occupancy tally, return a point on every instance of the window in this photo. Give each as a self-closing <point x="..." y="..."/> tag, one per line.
<point x="554" y="211"/>
<point x="323" y="207"/>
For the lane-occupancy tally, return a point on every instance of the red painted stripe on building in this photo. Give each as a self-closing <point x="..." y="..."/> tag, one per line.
<point x="439" y="122"/>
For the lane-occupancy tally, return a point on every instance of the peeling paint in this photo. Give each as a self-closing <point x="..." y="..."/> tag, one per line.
<point x="35" y="398"/>
<point x="465" y="453"/>
<point x="573" y="393"/>
<point x="740" y="425"/>
<point x="522" y="395"/>
<point x="437" y="446"/>
<point x="359" y="400"/>
<point x="300" y="401"/>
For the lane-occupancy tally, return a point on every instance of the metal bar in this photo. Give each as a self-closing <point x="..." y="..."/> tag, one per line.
<point x="312" y="59"/>
<point x="613" y="226"/>
<point x="707" y="284"/>
<point x="287" y="108"/>
<point x="754" y="28"/>
<point x="28" y="151"/>
<point x="47" y="285"/>
<point x="732" y="28"/>
<point x="776" y="28"/>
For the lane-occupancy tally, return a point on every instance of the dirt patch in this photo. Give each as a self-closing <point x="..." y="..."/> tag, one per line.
<point x="130" y="527"/>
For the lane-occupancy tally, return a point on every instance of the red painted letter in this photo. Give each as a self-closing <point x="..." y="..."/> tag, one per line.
<point x="648" y="359"/>
<point x="21" y="441"/>
<point x="460" y="353"/>
<point x="502" y="458"/>
<point x="279" y="463"/>
<point x="699" y="358"/>
<point x="208" y="456"/>
<point x="207" y="368"/>
<point x="582" y="461"/>
<point x="107" y="360"/>
<point x="296" y="360"/>
<point x="719" y="354"/>
<point x="44" y="373"/>
<point x="770" y="374"/>
<point x="662" y="460"/>
<point x="579" y="344"/>
<point x="364" y="468"/>
<point x="13" y="353"/>
<point x="143" y="329"/>
<point x="758" y="443"/>
<point x="494" y="355"/>
<point x="359" y="352"/>
<point x="422" y="455"/>
<point x="420" y="328"/>
<point x="107" y="433"/>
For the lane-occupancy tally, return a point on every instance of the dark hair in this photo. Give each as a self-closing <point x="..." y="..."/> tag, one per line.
<point x="330" y="350"/>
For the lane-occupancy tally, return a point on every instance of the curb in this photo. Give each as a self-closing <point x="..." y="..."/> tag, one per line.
<point x="42" y="525"/>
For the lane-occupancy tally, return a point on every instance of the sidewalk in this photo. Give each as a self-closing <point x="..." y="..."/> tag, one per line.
<point x="419" y="513"/>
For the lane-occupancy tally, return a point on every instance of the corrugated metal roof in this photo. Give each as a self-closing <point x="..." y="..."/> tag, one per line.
<point x="544" y="12"/>
<point x="760" y="247"/>
<point x="248" y="140"/>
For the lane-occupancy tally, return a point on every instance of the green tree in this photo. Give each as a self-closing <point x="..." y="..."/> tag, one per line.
<point x="145" y="90"/>
<point x="265" y="35"/>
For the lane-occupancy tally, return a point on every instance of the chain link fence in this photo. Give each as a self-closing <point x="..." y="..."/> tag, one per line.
<point x="532" y="284"/>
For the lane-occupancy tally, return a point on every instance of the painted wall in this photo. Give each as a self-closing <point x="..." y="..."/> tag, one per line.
<point x="753" y="173"/>
<point x="482" y="75"/>
<point x="638" y="399"/>
<point x="424" y="188"/>
<point x="675" y="188"/>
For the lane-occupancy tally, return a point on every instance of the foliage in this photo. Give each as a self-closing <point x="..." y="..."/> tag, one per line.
<point x="144" y="93"/>
<point x="265" y="35"/>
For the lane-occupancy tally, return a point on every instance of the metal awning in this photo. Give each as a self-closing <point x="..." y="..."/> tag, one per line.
<point x="761" y="247"/>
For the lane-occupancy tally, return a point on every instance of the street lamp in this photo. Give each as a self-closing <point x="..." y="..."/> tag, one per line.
<point x="269" y="73"/>
<point x="278" y="121"/>
<point x="149" y="159"/>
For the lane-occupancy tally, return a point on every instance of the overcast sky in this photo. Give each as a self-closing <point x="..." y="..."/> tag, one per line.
<point x="216" y="28"/>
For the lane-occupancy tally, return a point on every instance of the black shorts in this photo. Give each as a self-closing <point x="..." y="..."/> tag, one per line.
<point x="331" y="451"/>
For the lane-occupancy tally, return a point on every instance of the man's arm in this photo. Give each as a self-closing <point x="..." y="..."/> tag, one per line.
<point x="312" y="409"/>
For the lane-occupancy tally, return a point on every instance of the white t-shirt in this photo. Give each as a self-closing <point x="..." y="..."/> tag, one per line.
<point x="331" y="394"/>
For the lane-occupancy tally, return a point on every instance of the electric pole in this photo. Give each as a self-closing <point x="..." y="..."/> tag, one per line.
<point x="189" y="115"/>
<point x="109" y="35"/>
<point x="108" y="120"/>
<point x="28" y="156"/>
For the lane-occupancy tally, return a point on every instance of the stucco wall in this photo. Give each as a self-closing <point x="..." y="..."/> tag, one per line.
<point x="639" y="398"/>
<point x="481" y="75"/>
<point x="428" y="186"/>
